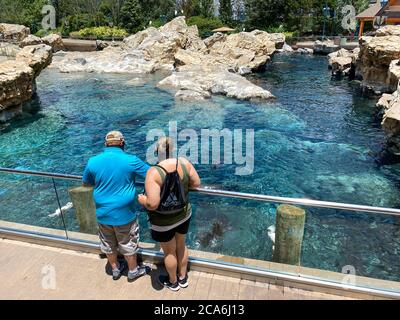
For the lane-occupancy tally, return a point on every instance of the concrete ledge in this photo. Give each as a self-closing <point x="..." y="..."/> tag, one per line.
<point x="236" y="267"/>
<point x="80" y="45"/>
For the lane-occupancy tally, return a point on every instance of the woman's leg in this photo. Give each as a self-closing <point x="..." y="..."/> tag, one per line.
<point x="182" y="254"/>
<point x="170" y="259"/>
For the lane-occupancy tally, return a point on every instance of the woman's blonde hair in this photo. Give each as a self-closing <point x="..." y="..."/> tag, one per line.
<point x="164" y="148"/>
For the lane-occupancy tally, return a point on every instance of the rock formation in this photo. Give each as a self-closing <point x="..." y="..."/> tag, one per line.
<point x="378" y="66"/>
<point x="390" y="104"/>
<point x="375" y="65"/>
<point x="341" y="61"/>
<point x="325" y="47"/>
<point x="30" y="40"/>
<point x="17" y="78"/>
<point x="216" y="63"/>
<point x="54" y="41"/>
<point x="305" y="51"/>
<point x="13" y="32"/>
<point x="199" y="83"/>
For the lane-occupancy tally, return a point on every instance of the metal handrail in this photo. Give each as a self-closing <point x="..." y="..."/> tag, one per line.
<point x="238" y="195"/>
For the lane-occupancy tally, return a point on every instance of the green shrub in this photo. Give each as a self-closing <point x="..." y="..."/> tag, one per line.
<point x="42" y="33"/>
<point x="100" y="33"/>
<point x="157" y="23"/>
<point x="205" y="25"/>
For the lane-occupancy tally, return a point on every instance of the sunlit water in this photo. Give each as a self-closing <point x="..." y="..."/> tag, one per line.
<point x="319" y="140"/>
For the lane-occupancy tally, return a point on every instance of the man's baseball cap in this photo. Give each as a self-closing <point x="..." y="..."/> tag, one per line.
<point x="114" y="136"/>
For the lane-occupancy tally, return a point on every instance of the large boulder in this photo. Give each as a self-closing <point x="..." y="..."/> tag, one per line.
<point x="389" y="106"/>
<point x="9" y="49"/>
<point x="216" y="37"/>
<point x="250" y="51"/>
<point x="13" y="32"/>
<point x="110" y="60"/>
<point x="375" y="64"/>
<point x="202" y="81"/>
<point x="30" y="40"/>
<point x="277" y="38"/>
<point x="325" y="47"/>
<point x="37" y="57"/>
<point x="17" y="78"/>
<point x="394" y="73"/>
<point x="341" y="61"/>
<point x="54" y="41"/>
<point x="286" y="48"/>
<point x="161" y="44"/>
<point x="389" y="30"/>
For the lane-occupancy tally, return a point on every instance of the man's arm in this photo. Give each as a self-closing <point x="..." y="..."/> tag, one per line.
<point x="140" y="168"/>
<point x="87" y="179"/>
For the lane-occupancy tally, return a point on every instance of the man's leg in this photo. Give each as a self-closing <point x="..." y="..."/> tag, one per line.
<point x="170" y="259"/>
<point x="109" y="245"/>
<point x="128" y="243"/>
<point x="132" y="262"/>
<point x="113" y="261"/>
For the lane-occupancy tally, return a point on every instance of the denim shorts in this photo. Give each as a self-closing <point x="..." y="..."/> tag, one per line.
<point x="123" y="239"/>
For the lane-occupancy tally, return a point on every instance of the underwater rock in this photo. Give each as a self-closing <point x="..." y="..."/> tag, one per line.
<point x="211" y="237"/>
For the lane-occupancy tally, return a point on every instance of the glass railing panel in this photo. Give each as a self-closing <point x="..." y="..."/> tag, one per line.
<point x="28" y="201"/>
<point x="341" y="246"/>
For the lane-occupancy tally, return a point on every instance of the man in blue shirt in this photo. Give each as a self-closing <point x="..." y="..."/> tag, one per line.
<point x="112" y="174"/>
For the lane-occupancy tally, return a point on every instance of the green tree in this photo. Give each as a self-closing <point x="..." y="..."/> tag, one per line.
<point x="157" y="9"/>
<point x="190" y="8"/>
<point x="131" y="15"/>
<point x="264" y="14"/>
<point x="225" y="11"/>
<point x="207" y="8"/>
<point x="297" y="15"/>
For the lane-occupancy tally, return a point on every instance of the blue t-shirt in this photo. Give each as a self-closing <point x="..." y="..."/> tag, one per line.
<point x="113" y="174"/>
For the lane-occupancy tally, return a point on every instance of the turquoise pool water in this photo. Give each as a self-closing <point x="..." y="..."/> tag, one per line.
<point x="319" y="140"/>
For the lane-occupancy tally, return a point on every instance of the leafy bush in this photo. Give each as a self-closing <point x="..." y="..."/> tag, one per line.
<point x="157" y="23"/>
<point x="205" y="25"/>
<point x="42" y="33"/>
<point x="100" y="33"/>
<point x="83" y="20"/>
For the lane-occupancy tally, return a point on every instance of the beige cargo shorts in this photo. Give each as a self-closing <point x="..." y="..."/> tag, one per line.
<point x="123" y="239"/>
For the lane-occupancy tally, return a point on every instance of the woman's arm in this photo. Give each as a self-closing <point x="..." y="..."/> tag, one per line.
<point x="195" y="181"/>
<point x="151" y="200"/>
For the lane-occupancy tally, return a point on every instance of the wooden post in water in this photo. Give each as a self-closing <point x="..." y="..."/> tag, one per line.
<point x="85" y="208"/>
<point x="289" y="234"/>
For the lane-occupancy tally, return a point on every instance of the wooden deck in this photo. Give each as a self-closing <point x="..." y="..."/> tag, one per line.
<point x="29" y="271"/>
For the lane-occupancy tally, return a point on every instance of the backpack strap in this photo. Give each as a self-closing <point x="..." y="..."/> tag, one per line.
<point x="161" y="171"/>
<point x="184" y="169"/>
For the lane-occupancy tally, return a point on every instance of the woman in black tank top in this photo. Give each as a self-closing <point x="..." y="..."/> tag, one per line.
<point x="170" y="230"/>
